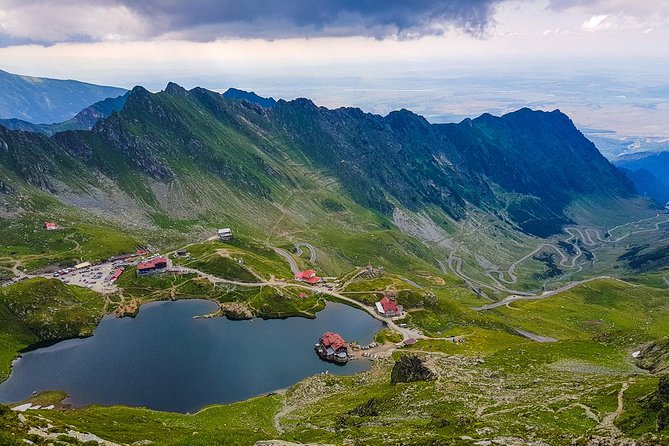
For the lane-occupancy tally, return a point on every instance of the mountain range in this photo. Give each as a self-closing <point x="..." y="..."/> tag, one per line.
<point x="41" y="100"/>
<point x="650" y="173"/>
<point x="178" y="152"/>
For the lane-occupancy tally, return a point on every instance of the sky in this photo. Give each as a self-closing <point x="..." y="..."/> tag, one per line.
<point x="601" y="61"/>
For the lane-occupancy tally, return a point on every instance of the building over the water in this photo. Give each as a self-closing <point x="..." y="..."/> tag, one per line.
<point x="154" y="265"/>
<point x="389" y="307"/>
<point x="225" y="234"/>
<point x="332" y="347"/>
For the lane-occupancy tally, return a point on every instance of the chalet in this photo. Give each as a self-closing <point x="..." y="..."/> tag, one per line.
<point x="51" y="226"/>
<point x="225" y="234"/>
<point x="388" y="307"/>
<point x="309" y="276"/>
<point x="154" y="265"/>
<point x="332" y="347"/>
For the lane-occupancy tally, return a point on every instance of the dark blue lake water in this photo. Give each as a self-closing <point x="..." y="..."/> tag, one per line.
<point x="166" y="360"/>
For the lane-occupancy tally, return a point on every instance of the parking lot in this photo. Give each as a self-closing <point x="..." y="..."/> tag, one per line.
<point x="94" y="277"/>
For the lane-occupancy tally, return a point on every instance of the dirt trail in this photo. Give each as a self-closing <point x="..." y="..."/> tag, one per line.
<point x="608" y="423"/>
<point x="405" y="332"/>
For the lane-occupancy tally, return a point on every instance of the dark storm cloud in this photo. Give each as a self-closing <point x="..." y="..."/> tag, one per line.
<point x="377" y="18"/>
<point x="270" y="19"/>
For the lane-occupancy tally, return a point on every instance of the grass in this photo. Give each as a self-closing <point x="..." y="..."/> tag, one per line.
<point x="605" y="311"/>
<point x="234" y="424"/>
<point x="43" y="310"/>
<point x="239" y="256"/>
<point x="26" y="241"/>
<point x="387" y="336"/>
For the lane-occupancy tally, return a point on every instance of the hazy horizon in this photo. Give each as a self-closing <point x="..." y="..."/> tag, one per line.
<point x="602" y="62"/>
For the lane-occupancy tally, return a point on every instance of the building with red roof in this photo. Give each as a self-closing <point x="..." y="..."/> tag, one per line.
<point x="116" y="274"/>
<point x="388" y="307"/>
<point x="156" y="264"/>
<point x="308" y="276"/>
<point x="332" y="347"/>
<point x="51" y="226"/>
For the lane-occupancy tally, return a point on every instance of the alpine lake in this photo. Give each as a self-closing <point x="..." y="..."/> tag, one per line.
<point x="167" y="359"/>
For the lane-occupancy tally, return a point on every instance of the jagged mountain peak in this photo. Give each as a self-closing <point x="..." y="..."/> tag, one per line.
<point x="174" y="88"/>
<point x="527" y="165"/>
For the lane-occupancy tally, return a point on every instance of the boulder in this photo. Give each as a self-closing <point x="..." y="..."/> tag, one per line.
<point x="410" y="368"/>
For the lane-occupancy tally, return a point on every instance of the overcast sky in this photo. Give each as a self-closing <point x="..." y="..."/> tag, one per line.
<point x="284" y="47"/>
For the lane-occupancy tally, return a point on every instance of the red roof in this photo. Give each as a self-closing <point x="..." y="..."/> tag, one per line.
<point x="303" y="295"/>
<point x="312" y="280"/>
<point x="116" y="274"/>
<point x="158" y="262"/>
<point x="303" y="275"/>
<point x="50" y="225"/>
<point x="333" y="340"/>
<point x="389" y="305"/>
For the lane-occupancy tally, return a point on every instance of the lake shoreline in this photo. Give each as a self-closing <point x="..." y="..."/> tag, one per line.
<point x="147" y="352"/>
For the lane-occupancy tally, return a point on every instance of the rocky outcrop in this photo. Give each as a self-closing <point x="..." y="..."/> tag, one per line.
<point x="410" y="368"/>
<point x="663" y="389"/>
<point x="655" y="356"/>
<point x="236" y="311"/>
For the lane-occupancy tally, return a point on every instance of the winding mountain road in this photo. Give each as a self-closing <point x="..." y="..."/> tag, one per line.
<point x="569" y="259"/>
<point x="289" y="258"/>
<point x="544" y="295"/>
<point x="312" y="251"/>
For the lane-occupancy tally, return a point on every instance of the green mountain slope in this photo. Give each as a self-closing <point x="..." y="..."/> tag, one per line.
<point x="394" y="192"/>
<point x="188" y="161"/>
<point x="42" y="100"/>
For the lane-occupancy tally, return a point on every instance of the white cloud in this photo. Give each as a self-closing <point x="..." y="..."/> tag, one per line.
<point x="71" y="21"/>
<point x="596" y="23"/>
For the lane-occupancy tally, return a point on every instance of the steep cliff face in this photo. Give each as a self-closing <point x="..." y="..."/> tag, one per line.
<point x="528" y="164"/>
<point x="524" y="167"/>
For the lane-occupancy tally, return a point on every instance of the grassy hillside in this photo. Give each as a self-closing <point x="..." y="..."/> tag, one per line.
<point x="494" y="386"/>
<point x="38" y="310"/>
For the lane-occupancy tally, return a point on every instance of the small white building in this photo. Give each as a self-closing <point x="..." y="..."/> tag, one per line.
<point x="225" y="234"/>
